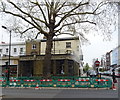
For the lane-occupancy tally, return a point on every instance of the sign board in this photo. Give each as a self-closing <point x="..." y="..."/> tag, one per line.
<point x="97" y="63"/>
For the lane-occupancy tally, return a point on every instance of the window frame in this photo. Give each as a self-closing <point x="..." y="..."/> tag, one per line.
<point x="68" y="45"/>
<point x="15" y="50"/>
<point x="7" y="50"/>
<point x="21" y="50"/>
<point x="1" y="50"/>
<point x="34" y="46"/>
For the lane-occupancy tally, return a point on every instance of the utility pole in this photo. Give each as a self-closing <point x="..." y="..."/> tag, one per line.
<point x="8" y="67"/>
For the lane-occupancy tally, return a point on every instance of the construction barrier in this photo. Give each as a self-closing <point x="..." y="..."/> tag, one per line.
<point x="77" y="82"/>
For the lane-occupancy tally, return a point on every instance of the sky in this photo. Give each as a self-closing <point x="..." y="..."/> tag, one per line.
<point x="95" y="49"/>
<point x="98" y="47"/>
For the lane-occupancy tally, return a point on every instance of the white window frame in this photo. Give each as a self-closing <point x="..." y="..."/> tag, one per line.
<point x="7" y="50"/>
<point x="15" y="50"/>
<point x="34" y="46"/>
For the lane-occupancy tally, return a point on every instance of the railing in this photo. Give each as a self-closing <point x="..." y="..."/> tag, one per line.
<point x="77" y="82"/>
<point x="62" y="51"/>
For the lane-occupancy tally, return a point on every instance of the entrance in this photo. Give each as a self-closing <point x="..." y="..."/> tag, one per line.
<point x="26" y="68"/>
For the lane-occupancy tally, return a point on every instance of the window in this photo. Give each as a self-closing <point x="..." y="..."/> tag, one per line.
<point x="77" y="48"/>
<point x="6" y="50"/>
<point x="15" y="50"/>
<point x="68" y="44"/>
<point x="0" y="50"/>
<point x="21" y="50"/>
<point x="34" y="46"/>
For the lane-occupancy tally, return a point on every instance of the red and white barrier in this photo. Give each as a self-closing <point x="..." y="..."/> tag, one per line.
<point x="83" y="80"/>
<point x="29" y="80"/>
<point x="2" y="80"/>
<point x="46" y="80"/>
<point x="14" y="80"/>
<point x="66" y="80"/>
<point x="102" y="80"/>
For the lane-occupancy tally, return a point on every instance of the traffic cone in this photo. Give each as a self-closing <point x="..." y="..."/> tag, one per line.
<point x="113" y="87"/>
<point x="37" y="86"/>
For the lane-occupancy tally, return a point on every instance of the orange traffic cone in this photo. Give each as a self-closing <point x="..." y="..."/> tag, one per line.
<point x="113" y="86"/>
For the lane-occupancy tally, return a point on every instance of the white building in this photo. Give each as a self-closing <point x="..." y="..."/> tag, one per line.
<point x="114" y="56"/>
<point x="118" y="34"/>
<point x="16" y="49"/>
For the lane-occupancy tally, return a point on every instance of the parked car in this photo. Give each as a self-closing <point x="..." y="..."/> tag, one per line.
<point x="108" y="73"/>
<point x="117" y="72"/>
<point x="102" y="73"/>
<point x="92" y="73"/>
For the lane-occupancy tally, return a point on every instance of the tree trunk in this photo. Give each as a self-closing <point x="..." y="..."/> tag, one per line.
<point x="47" y="59"/>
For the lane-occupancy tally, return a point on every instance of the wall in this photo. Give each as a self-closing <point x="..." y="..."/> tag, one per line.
<point x="59" y="46"/>
<point x="119" y="34"/>
<point x="29" y="47"/>
<point x="115" y="56"/>
<point x="14" y="45"/>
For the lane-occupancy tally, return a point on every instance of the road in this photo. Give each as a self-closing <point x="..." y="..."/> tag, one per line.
<point x="59" y="93"/>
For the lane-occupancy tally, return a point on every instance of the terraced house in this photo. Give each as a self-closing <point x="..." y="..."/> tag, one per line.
<point x="66" y="57"/>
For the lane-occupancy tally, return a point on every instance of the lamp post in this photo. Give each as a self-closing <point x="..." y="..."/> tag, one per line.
<point x="8" y="67"/>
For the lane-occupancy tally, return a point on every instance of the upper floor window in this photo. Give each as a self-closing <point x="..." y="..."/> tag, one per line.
<point x="15" y="50"/>
<point x="21" y="50"/>
<point x="0" y="50"/>
<point x="34" y="46"/>
<point x="6" y="50"/>
<point x="77" y="48"/>
<point x="68" y="44"/>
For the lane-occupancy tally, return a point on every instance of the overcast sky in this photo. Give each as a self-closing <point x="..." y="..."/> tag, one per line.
<point x="95" y="49"/>
<point x="98" y="47"/>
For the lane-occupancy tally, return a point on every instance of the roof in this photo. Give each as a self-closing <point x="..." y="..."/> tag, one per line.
<point x="43" y="40"/>
<point x="62" y="39"/>
<point x="17" y="43"/>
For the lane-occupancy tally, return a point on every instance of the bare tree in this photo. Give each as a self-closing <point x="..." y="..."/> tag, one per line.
<point x="52" y="18"/>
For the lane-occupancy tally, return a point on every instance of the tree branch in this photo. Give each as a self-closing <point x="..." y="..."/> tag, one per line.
<point x="27" y="30"/>
<point x="60" y="7"/>
<point x="37" y="35"/>
<point x="76" y="22"/>
<point x="17" y="15"/>
<point x="68" y="13"/>
<point x="42" y="12"/>
<point x="27" y="13"/>
<point x="47" y="8"/>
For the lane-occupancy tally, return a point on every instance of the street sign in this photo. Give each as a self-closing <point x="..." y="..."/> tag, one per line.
<point x="97" y="63"/>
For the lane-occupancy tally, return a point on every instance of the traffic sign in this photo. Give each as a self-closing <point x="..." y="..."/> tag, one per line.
<point x="97" y="63"/>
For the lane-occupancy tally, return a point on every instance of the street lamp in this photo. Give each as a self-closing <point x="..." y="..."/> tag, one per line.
<point x="8" y="67"/>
